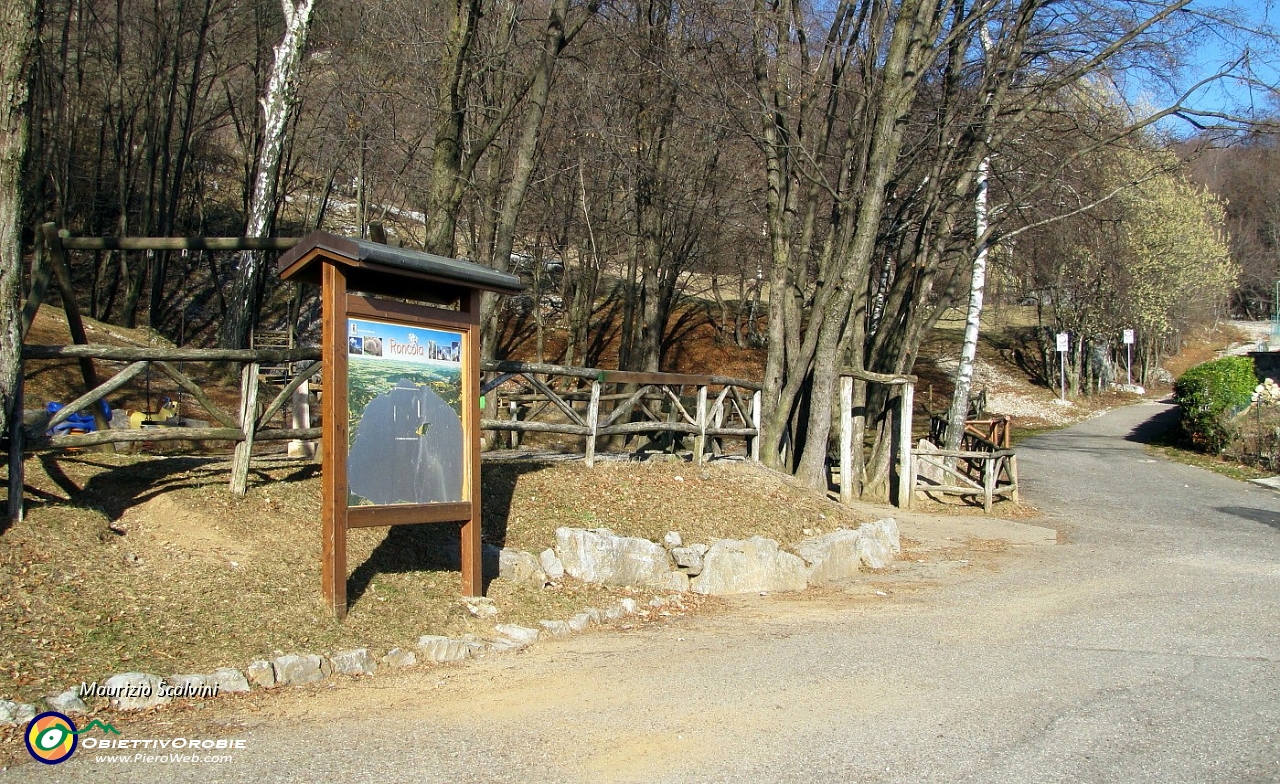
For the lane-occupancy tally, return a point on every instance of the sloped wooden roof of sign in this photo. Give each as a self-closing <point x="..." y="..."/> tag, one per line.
<point x="302" y="263"/>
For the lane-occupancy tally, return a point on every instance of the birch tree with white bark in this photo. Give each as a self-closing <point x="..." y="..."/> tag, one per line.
<point x="278" y="103"/>
<point x="959" y="410"/>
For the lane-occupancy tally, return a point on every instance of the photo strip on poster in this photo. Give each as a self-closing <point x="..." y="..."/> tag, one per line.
<point x="404" y="392"/>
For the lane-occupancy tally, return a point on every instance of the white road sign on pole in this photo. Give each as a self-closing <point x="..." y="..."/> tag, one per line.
<point x="1128" y="355"/>
<point x="1063" y="346"/>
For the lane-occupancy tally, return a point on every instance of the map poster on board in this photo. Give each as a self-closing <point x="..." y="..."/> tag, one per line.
<point x="404" y="392"/>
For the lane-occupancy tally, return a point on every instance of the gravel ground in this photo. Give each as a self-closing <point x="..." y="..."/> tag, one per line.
<point x="1145" y="649"/>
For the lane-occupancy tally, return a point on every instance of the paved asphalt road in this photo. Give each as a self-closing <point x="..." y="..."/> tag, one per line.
<point x="1145" y="649"/>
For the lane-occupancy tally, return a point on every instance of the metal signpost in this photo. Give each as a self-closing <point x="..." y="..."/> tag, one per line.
<point x="1128" y="350"/>
<point x="1063" y="346"/>
<point x="401" y="404"/>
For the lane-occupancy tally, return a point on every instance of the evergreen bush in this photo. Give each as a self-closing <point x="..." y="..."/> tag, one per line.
<point x="1210" y="395"/>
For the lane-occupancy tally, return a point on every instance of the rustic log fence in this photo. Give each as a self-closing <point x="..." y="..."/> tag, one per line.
<point x="850" y="424"/>
<point x="984" y="466"/>
<point x="648" y="404"/>
<point x="245" y="427"/>
<point x="587" y="403"/>
<point x="592" y="404"/>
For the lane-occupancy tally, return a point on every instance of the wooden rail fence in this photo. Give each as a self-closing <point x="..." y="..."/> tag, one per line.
<point x="906" y="386"/>
<point x="244" y="427"/>
<point x="984" y="466"/>
<point x="592" y="404"/>
<point x="541" y="398"/>
<point x="587" y="403"/>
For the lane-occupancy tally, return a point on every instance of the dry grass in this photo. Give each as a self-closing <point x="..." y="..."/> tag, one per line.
<point x="145" y="563"/>
<point x="721" y="500"/>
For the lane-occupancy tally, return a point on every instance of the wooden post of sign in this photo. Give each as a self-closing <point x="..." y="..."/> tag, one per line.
<point x="472" y="552"/>
<point x="333" y="518"/>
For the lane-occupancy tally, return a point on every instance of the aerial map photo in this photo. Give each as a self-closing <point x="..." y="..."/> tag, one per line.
<point x="404" y="388"/>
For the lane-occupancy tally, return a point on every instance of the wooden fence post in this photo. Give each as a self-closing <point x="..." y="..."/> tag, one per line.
<point x="755" y="422"/>
<point x="248" y="418"/>
<point x="700" y="441"/>
<point x="906" y="464"/>
<point x="300" y="419"/>
<point x="16" y="467"/>
<point x="988" y="482"/>
<point x="593" y="423"/>
<point x="846" y="439"/>
<point x="515" y="417"/>
<point x="58" y="264"/>
<point x="717" y="421"/>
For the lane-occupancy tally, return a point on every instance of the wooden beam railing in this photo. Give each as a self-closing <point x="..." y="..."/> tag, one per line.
<point x="852" y="422"/>
<point x="708" y="407"/>
<point x="244" y="429"/>
<point x="985" y="464"/>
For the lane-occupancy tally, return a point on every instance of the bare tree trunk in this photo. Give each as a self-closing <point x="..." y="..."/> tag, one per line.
<point x="559" y="33"/>
<point x="277" y="104"/>
<point x="445" y="189"/>
<point x="16" y="20"/>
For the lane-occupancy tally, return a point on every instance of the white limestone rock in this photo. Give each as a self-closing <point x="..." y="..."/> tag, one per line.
<point x="551" y="564"/>
<point x="581" y="621"/>
<point x="354" y="662"/>
<point x="519" y="636"/>
<point x="674" y="581"/>
<point x="751" y="566"/>
<point x="689" y="559"/>
<point x="555" y="628"/>
<point x="885" y="532"/>
<point x="521" y="568"/>
<point x="133" y="691"/>
<point x="262" y="673"/>
<point x="298" y="670"/>
<point x="833" y="558"/>
<point x="67" y="703"/>
<point x="229" y="680"/>
<point x="601" y="556"/>
<point x="399" y="658"/>
<point x="446" y="649"/>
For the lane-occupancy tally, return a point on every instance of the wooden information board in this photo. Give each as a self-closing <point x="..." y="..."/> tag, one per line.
<point x="401" y="403"/>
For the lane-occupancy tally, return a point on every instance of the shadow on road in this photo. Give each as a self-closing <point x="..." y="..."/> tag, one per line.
<point x="1264" y="516"/>
<point x="1158" y="429"/>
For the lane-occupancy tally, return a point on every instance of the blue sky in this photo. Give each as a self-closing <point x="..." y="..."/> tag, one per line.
<point x="1220" y="43"/>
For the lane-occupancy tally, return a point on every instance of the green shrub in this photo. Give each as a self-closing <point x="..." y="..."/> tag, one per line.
<point x="1210" y="395"/>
